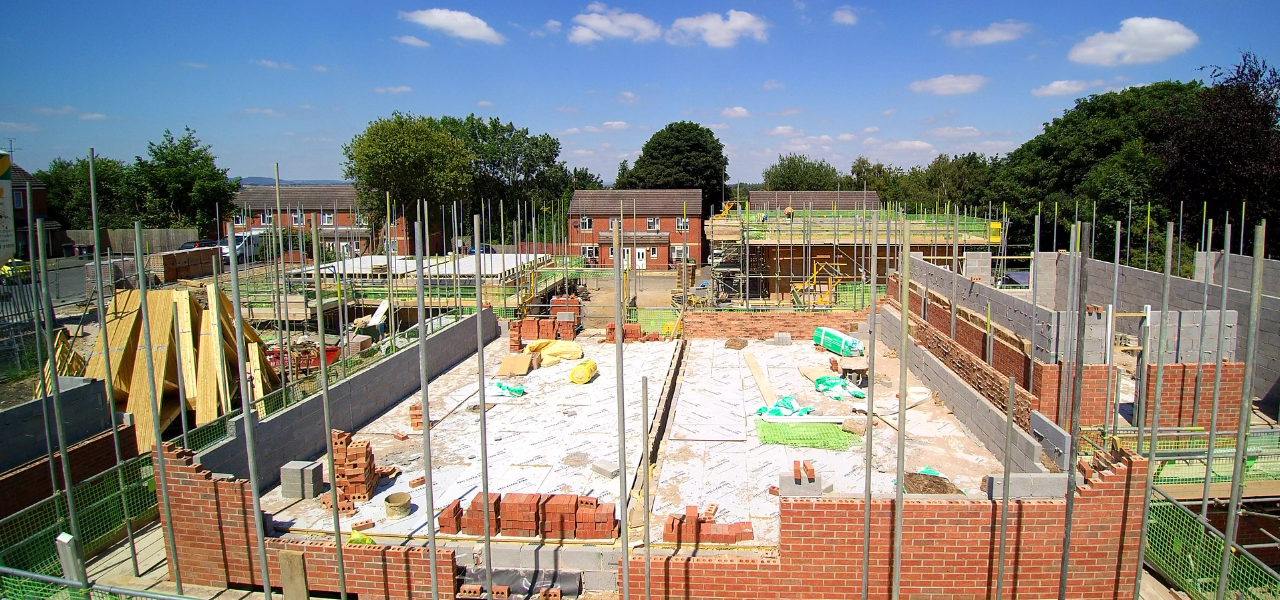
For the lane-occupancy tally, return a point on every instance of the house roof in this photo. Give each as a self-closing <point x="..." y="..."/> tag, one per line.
<point x="306" y="197"/>
<point x="641" y="202"/>
<point x="20" y="177"/>
<point x="818" y="200"/>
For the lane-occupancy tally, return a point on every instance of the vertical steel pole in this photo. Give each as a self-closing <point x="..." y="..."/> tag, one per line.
<point x="1065" y="389"/>
<point x="1082" y="283"/>
<point x="644" y="421"/>
<point x="623" y="496"/>
<point x="426" y="413"/>
<point x="484" y="431"/>
<point x="1204" y="310"/>
<point x="54" y="386"/>
<point x="1111" y="370"/>
<point x="37" y="334"/>
<point x="182" y="388"/>
<point x="869" y="438"/>
<point x="904" y="297"/>
<point x="281" y="288"/>
<point x="1035" y="305"/>
<point x="955" y="271"/>
<point x="328" y="425"/>
<point x="106" y="356"/>
<point x="1217" y="370"/>
<point x="246" y="406"/>
<point x="1246" y="404"/>
<point x="1004" y="496"/>
<point x="157" y="448"/>
<point x="1155" y="406"/>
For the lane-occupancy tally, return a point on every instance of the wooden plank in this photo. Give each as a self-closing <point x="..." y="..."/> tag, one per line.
<point x="120" y="335"/>
<point x="160" y="319"/>
<point x="766" y="391"/>
<point x="210" y="372"/>
<point x="188" y="329"/>
<point x="253" y="364"/>
<point x="1250" y="489"/>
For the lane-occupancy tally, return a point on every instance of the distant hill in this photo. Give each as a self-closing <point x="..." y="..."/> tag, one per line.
<point x="272" y="181"/>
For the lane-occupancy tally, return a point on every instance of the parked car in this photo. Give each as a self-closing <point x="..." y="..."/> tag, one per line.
<point x="246" y="247"/>
<point x="198" y="244"/>
<point x="484" y="249"/>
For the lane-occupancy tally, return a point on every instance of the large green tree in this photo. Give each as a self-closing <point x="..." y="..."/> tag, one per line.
<point x="797" y="172"/>
<point x="411" y="158"/>
<point x="682" y="155"/>
<point x="67" y="183"/>
<point x="179" y="184"/>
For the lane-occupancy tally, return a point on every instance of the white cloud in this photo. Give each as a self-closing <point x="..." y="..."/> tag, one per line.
<point x="946" y="85"/>
<point x="48" y="111"/>
<point x="193" y="65"/>
<point x="1006" y="31"/>
<point x="772" y="84"/>
<point x="844" y="16"/>
<point x="847" y="137"/>
<point x="267" y="112"/>
<point x="716" y="126"/>
<point x="954" y="132"/>
<point x="271" y="64"/>
<point x="319" y="140"/>
<point x="320" y="68"/>
<point x="398" y="89"/>
<point x="628" y="97"/>
<point x="484" y="103"/>
<point x="569" y="131"/>
<point x="787" y="112"/>
<point x="890" y="112"/>
<point x="455" y="23"/>
<point x="607" y="126"/>
<point x="871" y="129"/>
<point x="288" y="134"/>
<point x="826" y="139"/>
<point x="93" y="116"/>
<point x="736" y="112"/>
<point x="11" y="126"/>
<point x="1140" y="40"/>
<point x="582" y="152"/>
<point x="411" y="40"/>
<point x="784" y="131"/>
<point x="306" y="107"/>
<point x="600" y="22"/>
<point x="717" y="31"/>
<point x="1066" y="86"/>
<point x="567" y="109"/>
<point x="552" y="26"/>
<point x="900" y="145"/>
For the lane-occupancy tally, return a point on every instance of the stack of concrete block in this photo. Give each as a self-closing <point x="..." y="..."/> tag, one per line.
<point x="450" y="519"/>
<point x="415" y="416"/>
<point x="560" y="516"/>
<point x="596" y="521"/>
<point x="473" y="517"/>
<point x="300" y="479"/>
<point x="521" y="514"/>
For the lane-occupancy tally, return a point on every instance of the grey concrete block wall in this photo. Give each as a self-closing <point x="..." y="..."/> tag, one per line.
<point x="1241" y="271"/>
<point x="1182" y="336"/>
<point x="984" y="419"/>
<point x="84" y="414"/>
<point x="977" y="264"/>
<point x="1028" y="485"/>
<point x="297" y="432"/>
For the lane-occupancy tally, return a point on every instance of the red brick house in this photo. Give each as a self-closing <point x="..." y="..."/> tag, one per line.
<point x="27" y="209"/>
<point x="657" y="226"/>
<point x="339" y="215"/>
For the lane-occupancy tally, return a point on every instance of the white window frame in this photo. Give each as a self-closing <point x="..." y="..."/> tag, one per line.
<point x="614" y="221"/>
<point x="610" y="252"/>
<point x="299" y="219"/>
<point x="326" y="218"/>
<point x="682" y="223"/>
<point x="360" y="219"/>
<point x="591" y="251"/>
<point x="653" y="252"/>
<point x="677" y="252"/>
<point x="652" y="223"/>
<point x="19" y="199"/>
<point x="586" y="223"/>
<point x="265" y="218"/>
<point x="238" y="220"/>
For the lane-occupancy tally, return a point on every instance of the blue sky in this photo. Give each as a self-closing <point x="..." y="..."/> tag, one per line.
<point x="289" y="82"/>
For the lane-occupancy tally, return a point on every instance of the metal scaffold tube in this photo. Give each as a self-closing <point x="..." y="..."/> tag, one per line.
<point x="426" y="413"/>
<point x="1217" y="371"/>
<point x="1081" y="233"/>
<point x="1004" y="491"/>
<point x="869" y="438"/>
<point x="623" y="495"/>
<point x="484" y="431"/>
<point x="904" y="302"/>
<point x="644" y="448"/>
<point x="328" y="421"/>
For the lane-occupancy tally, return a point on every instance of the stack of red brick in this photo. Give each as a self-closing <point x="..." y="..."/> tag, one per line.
<point x="694" y="528"/>
<point x="552" y="516"/>
<point x="357" y="474"/>
<point x="415" y="416"/>
<point x="630" y="333"/>
<point x="521" y="514"/>
<point x="473" y="517"/>
<point x="450" y="518"/>
<point x="537" y="328"/>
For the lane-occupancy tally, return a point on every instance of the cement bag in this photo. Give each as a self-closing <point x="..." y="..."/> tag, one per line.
<point x="837" y="342"/>
<point x="583" y="372"/>
<point x="553" y="351"/>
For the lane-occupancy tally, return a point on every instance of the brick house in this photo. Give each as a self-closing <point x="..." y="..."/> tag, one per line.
<point x="339" y="215"/>
<point x="657" y="225"/>
<point x="27" y="209"/>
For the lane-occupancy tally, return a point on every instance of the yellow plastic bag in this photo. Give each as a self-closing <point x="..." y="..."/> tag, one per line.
<point x="359" y="538"/>
<point x="583" y="372"/>
<point x="553" y="351"/>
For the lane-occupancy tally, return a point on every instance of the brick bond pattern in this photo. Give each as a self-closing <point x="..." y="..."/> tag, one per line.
<point x="217" y="546"/>
<point x="28" y="484"/>
<point x="1180" y="390"/>
<point x="949" y="547"/>
<point x="762" y="325"/>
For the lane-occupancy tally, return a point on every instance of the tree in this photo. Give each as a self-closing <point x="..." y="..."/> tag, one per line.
<point x="67" y="185"/>
<point x="584" y="179"/>
<point x="682" y="155"/>
<point x="180" y="185"/>
<point x="797" y="172"/>
<point x="412" y="158"/>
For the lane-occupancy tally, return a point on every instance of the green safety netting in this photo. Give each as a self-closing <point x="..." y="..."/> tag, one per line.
<point x="826" y="436"/>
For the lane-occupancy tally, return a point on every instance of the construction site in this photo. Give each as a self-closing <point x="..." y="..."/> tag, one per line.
<point x="843" y="400"/>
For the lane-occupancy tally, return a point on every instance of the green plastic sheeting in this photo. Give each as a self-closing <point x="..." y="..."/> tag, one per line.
<point x="837" y="342"/>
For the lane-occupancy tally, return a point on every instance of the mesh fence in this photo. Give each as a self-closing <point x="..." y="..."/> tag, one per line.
<point x="26" y="588"/>
<point x="1181" y="455"/>
<point x="655" y="320"/>
<point x="1189" y="553"/>
<point x="826" y="436"/>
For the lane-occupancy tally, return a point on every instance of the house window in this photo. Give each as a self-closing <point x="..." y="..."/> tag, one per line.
<point x="361" y="220"/>
<point x="614" y="223"/>
<point x="297" y="219"/>
<point x="585" y="223"/>
<point x="651" y="223"/>
<point x="264" y="218"/>
<point x="591" y="251"/>
<point x="682" y="223"/>
<point x="677" y="253"/>
<point x="653" y="252"/>
<point x="19" y="199"/>
<point x="326" y="218"/>
<point x="238" y="220"/>
<point x="610" y="251"/>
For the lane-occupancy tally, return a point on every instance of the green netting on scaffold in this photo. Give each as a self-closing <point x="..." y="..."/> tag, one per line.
<point x="826" y="436"/>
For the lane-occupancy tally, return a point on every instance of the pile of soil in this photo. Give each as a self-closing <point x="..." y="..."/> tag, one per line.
<point x="735" y="343"/>
<point x="919" y="483"/>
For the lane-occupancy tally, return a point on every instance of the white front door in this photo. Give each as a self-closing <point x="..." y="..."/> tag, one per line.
<point x="626" y="258"/>
<point x="641" y="260"/>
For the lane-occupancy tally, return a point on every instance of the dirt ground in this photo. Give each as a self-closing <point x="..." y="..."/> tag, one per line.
<point x="654" y="292"/>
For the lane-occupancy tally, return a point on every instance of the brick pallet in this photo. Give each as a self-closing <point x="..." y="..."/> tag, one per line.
<point x="356" y="474"/>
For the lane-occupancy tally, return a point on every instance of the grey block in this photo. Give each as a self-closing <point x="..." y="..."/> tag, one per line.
<point x="565" y="317"/>
<point x="606" y="468"/>
<point x="782" y="338"/>
<point x="606" y="581"/>
<point x="788" y="487"/>
<point x="1028" y="485"/>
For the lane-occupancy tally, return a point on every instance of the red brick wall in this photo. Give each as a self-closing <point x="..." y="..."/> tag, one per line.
<point x="214" y="532"/>
<point x="666" y="223"/>
<point x="28" y="484"/>
<point x="1045" y="384"/>
<point x="949" y="548"/>
<point x="762" y="325"/>
<point x="1179" y="395"/>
